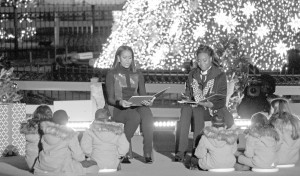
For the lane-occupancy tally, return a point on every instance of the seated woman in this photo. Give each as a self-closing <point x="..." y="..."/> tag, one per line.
<point x="122" y="82"/>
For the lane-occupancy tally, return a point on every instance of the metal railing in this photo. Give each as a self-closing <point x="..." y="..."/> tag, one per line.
<point x="44" y="31"/>
<point x="52" y="72"/>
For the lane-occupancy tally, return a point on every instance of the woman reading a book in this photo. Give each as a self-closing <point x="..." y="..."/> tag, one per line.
<point x="203" y="81"/>
<point x="122" y="82"/>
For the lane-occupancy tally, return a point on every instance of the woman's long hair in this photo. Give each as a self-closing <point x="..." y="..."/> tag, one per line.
<point x="119" y="52"/>
<point x="42" y="113"/>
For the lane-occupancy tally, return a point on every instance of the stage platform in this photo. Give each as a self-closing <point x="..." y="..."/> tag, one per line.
<point x="163" y="165"/>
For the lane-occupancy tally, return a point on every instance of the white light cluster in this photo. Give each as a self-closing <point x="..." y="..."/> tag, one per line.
<point x="266" y="28"/>
<point x="242" y="123"/>
<point x="79" y="126"/>
<point x="164" y="124"/>
<point x="24" y="33"/>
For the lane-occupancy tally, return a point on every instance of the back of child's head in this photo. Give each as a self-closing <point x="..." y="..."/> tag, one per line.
<point x="258" y="120"/>
<point x="60" y="117"/>
<point x="217" y="121"/>
<point x="102" y="115"/>
<point x="286" y="122"/>
<point x="42" y="113"/>
<point x="280" y="105"/>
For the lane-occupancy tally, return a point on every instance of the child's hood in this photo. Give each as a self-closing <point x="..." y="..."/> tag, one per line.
<point x="54" y="133"/>
<point x="267" y="135"/>
<point x="107" y="131"/>
<point x="220" y="136"/>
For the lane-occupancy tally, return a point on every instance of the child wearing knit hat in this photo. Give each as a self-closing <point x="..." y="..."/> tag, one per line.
<point x="105" y="141"/>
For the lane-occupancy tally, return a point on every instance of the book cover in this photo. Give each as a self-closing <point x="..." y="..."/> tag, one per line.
<point x="137" y="100"/>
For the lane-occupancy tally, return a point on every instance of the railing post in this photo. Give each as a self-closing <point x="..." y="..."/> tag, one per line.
<point x="56" y="32"/>
<point x="16" y="30"/>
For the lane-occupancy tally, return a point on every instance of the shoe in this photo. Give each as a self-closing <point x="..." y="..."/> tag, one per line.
<point x="179" y="157"/>
<point x="148" y="160"/>
<point x="241" y="167"/>
<point x="119" y="167"/>
<point x="125" y="160"/>
<point x="194" y="163"/>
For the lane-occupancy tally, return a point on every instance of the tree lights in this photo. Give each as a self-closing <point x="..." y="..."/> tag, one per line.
<point x="164" y="34"/>
<point x="24" y="33"/>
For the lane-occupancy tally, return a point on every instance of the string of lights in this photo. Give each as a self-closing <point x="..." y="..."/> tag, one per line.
<point x="24" y="33"/>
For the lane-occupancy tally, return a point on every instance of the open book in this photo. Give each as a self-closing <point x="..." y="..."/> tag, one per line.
<point x="137" y="100"/>
<point x="216" y="96"/>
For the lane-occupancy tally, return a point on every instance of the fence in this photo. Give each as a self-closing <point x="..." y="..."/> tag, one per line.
<point x="47" y="30"/>
<point x="52" y="72"/>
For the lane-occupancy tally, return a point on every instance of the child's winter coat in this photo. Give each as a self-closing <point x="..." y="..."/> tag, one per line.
<point x="105" y="142"/>
<point x="30" y="129"/>
<point x="288" y="152"/>
<point x="216" y="148"/>
<point x="261" y="145"/>
<point x="61" y="154"/>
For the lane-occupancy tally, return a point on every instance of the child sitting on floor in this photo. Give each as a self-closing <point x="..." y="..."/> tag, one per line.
<point x="288" y="128"/>
<point x="61" y="154"/>
<point x="105" y="141"/>
<point x="217" y="146"/>
<point x="261" y="144"/>
<point x="33" y="133"/>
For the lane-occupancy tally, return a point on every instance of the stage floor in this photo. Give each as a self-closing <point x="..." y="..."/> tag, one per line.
<point x="163" y="165"/>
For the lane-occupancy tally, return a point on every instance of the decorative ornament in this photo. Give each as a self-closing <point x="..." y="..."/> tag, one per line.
<point x="262" y="31"/>
<point x="249" y="9"/>
<point x="281" y="48"/>
<point x="4" y="99"/>
<point x="14" y="86"/>
<point x="295" y="23"/>
<point x="200" y="31"/>
<point x="228" y="22"/>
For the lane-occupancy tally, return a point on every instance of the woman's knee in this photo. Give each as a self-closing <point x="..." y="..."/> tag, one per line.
<point x="133" y="117"/>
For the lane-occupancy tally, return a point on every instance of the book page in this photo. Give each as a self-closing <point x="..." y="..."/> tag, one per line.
<point x="206" y="99"/>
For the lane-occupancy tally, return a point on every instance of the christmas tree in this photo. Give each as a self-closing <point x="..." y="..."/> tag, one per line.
<point x="8" y="88"/>
<point x="165" y="33"/>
